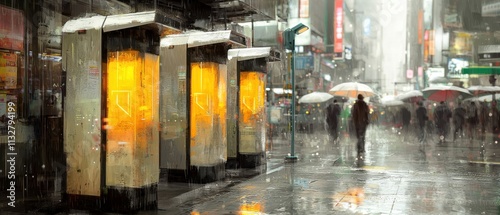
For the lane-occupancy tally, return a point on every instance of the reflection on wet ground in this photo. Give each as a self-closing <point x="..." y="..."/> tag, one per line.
<point x="394" y="177"/>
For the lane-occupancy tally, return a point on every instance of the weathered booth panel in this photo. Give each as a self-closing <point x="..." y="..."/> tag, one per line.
<point x="82" y="112"/>
<point x="232" y="109"/>
<point x="173" y="109"/>
<point x="132" y="119"/>
<point x="222" y="109"/>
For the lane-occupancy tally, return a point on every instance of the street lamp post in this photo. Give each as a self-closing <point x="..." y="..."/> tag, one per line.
<point x="289" y="37"/>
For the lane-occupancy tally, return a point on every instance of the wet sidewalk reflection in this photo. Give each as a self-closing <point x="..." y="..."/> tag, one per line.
<point x="394" y="177"/>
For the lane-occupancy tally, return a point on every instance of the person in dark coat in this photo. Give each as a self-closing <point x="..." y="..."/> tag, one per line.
<point x="483" y="117"/>
<point x="442" y="115"/>
<point x="332" y="118"/>
<point x="458" y="120"/>
<point x="405" y="120"/>
<point x="421" y="114"/>
<point x="472" y="119"/>
<point x="360" y="116"/>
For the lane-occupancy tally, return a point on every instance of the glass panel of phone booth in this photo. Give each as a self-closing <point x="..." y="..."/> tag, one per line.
<point x="252" y="112"/>
<point x="173" y="102"/>
<point x="205" y="114"/>
<point x="132" y="119"/>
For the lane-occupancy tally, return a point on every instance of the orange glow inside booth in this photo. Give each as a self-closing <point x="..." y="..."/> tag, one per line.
<point x="207" y="113"/>
<point x="252" y="111"/>
<point x="132" y="119"/>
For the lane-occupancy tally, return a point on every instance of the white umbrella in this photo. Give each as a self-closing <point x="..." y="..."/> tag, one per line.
<point x="315" y="97"/>
<point x="389" y="101"/>
<point x="477" y="90"/>
<point x="485" y="98"/>
<point x="410" y="96"/>
<point x="392" y="103"/>
<point x="445" y="93"/>
<point x="352" y="89"/>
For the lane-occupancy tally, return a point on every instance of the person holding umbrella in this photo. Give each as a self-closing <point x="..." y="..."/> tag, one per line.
<point x="458" y="120"/>
<point x="360" y="116"/>
<point x="442" y="115"/>
<point x="472" y="119"/>
<point x="483" y="117"/>
<point x="422" y="118"/>
<point x="332" y="118"/>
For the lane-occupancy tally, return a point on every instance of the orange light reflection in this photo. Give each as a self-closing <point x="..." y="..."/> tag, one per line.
<point x="251" y="208"/>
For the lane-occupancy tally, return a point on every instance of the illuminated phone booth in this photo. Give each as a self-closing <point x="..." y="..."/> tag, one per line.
<point x="111" y="114"/>
<point x="193" y="105"/>
<point x="247" y="148"/>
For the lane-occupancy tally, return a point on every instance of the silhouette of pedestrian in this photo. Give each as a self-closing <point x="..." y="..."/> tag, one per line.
<point x="442" y="115"/>
<point x="332" y="118"/>
<point x="360" y="114"/>
<point x="422" y="118"/>
<point x="458" y="120"/>
<point x="483" y="117"/>
<point x="472" y="119"/>
<point x="406" y="118"/>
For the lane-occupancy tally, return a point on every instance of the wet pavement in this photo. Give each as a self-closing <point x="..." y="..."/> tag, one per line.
<point x="394" y="177"/>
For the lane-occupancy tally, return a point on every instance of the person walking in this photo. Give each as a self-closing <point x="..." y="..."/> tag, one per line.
<point x="421" y="114"/>
<point x="472" y="119"/>
<point x="483" y="118"/>
<point x="405" y="119"/>
<point x="332" y="118"/>
<point x="442" y="115"/>
<point x="360" y="116"/>
<point x="458" y="120"/>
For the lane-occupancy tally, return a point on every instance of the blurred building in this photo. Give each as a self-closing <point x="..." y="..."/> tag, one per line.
<point x="313" y="59"/>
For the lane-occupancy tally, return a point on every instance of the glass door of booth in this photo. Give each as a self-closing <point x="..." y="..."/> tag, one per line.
<point x="132" y="119"/>
<point x="208" y="113"/>
<point x="174" y="114"/>
<point x="252" y="112"/>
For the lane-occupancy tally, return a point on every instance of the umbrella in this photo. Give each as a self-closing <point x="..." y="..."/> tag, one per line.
<point x="411" y="96"/>
<point x="445" y="93"/>
<point x="477" y="90"/>
<point x="315" y="97"/>
<point x="392" y="103"/>
<point x="485" y="98"/>
<point x="352" y="89"/>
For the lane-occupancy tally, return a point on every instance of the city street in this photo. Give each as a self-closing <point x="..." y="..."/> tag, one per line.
<point x="395" y="177"/>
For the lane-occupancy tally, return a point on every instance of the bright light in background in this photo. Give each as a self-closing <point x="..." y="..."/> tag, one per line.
<point x="366" y="26"/>
<point x="328" y="77"/>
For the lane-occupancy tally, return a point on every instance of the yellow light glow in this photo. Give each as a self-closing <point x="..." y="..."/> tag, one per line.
<point x="132" y="118"/>
<point x="203" y="95"/>
<point x="208" y="112"/>
<point x="252" y="95"/>
<point x="251" y="208"/>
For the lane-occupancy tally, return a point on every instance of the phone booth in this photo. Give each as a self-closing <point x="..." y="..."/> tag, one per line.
<point x="111" y="114"/>
<point x="247" y="148"/>
<point x="194" y="104"/>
